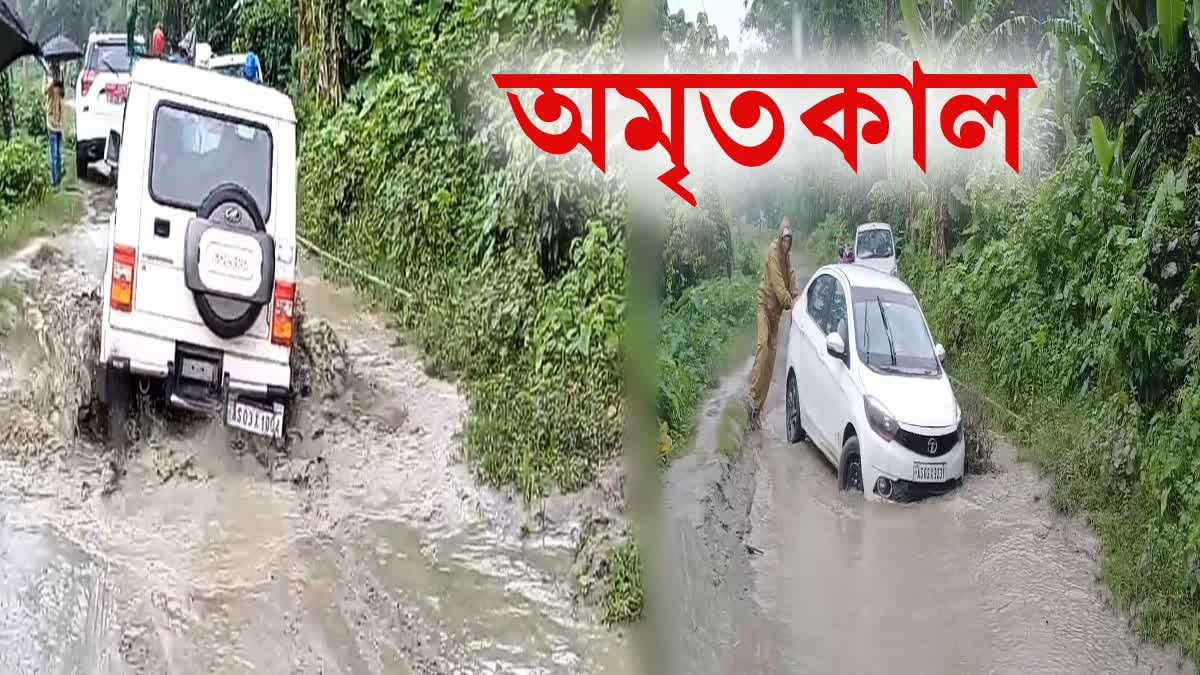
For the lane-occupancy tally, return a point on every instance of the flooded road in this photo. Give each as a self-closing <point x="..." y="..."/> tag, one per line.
<point x="369" y="548"/>
<point x="988" y="579"/>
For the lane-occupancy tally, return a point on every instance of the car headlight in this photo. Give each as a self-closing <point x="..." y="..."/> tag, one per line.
<point x="879" y="418"/>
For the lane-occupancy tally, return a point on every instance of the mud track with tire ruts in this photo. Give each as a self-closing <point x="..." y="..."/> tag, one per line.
<point x="367" y="546"/>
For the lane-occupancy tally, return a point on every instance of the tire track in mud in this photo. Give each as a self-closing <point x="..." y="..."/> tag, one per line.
<point x="776" y="571"/>
<point x="369" y="547"/>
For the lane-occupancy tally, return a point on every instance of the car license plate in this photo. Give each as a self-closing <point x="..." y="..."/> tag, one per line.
<point x="926" y="471"/>
<point x="255" y="419"/>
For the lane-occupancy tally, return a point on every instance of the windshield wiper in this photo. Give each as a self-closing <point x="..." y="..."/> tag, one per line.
<point x="887" y="329"/>
<point x="867" y="337"/>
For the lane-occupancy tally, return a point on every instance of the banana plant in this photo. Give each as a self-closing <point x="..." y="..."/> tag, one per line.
<point x="1109" y="156"/>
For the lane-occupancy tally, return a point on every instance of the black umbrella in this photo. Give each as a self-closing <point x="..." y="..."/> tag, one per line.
<point x="60" y="48"/>
<point x="14" y="39"/>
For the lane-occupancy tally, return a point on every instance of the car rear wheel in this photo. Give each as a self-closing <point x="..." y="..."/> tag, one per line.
<point x="81" y="161"/>
<point x="117" y="411"/>
<point x="795" y="432"/>
<point x="850" y="468"/>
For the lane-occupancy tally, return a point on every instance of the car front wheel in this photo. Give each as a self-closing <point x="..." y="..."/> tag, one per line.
<point x="795" y="432"/>
<point x="850" y="468"/>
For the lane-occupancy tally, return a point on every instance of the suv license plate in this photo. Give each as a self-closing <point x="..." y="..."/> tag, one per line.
<point x="254" y="419"/>
<point x="925" y="471"/>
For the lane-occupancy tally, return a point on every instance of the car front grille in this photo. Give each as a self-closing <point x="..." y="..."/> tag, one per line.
<point x="920" y="444"/>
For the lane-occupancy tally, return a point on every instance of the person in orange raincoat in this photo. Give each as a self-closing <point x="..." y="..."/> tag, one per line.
<point x="158" y="41"/>
<point x="777" y="292"/>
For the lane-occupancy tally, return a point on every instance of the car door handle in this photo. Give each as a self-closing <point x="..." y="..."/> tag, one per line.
<point x="162" y="227"/>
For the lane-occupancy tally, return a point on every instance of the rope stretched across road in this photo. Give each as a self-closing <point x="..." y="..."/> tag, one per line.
<point x="365" y="275"/>
<point x="985" y="397"/>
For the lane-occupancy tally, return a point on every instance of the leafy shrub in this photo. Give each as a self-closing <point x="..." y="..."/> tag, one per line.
<point x="699" y="245"/>
<point x="24" y="178"/>
<point x="515" y="261"/>
<point x="266" y="28"/>
<point x="625" y="598"/>
<point x="696" y="334"/>
<point x="821" y="244"/>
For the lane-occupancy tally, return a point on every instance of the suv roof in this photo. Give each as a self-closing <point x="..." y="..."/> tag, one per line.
<point x="213" y="87"/>
<point x="873" y="226"/>
<point x="227" y="60"/>
<point x="113" y="37"/>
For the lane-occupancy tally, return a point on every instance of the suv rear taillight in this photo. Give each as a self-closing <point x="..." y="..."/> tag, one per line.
<point x="281" y="314"/>
<point x="121" y="291"/>
<point x="88" y="78"/>
<point x="116" y="92"/>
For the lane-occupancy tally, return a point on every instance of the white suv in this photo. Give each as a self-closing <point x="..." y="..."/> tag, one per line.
<point x="200" y="280"/>
<point x="100" y="93"/>
<point x="867" y="386"/>
<point x="875" y="247"/>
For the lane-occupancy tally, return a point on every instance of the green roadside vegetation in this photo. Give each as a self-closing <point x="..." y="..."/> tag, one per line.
<point x="708" y="312"/>
<point x="1069" y="294"/>
<point x="29" y="206"/>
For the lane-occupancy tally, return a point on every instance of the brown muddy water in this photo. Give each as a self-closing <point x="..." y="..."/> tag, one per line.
<point x="369" y="549"/>
<point x="773" y="570"/>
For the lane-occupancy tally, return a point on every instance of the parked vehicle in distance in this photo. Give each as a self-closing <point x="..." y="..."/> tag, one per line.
<point x="100" y="93"/>
<point x="231" y="64"/>
<point x="865" y="384"/>
<point x="875" y="247"/>
<point x="200" y="278"/>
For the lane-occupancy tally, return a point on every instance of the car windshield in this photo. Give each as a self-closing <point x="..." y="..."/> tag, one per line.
<point x="109" y="55"/>
<point x="890" y="332"/>
<point x="874" y="244"/>
<point x="234" y="69"/>
<point x="194" y="153"/>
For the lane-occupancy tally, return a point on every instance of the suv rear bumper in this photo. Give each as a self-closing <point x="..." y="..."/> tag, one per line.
<point x="147" y="356"/>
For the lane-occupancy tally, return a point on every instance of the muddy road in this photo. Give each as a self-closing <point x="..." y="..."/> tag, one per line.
<point x="368" y="548"/>
<point x="775" y="571"/>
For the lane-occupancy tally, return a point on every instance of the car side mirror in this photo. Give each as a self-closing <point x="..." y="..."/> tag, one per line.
<point x="940" y="351"/>
<point x="835" y="345"/>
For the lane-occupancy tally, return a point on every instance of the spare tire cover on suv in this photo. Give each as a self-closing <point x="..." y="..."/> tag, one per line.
<point x="230" y="207"/>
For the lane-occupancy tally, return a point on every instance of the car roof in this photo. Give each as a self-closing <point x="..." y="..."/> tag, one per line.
<point x="113" y="37"/>
<point x="214" y="87"/>
<point x="861" y="276"/>
<point x="227" y="60"/>
<point x="873" y="226"/>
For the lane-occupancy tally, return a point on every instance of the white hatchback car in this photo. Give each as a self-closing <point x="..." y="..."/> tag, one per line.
<point x="202" y="242"/>
<point x="867" y="386"/>
<point x="875" y="247"/>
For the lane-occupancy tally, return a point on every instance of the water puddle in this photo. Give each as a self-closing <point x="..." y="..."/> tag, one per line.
<point x="57" y="611"/>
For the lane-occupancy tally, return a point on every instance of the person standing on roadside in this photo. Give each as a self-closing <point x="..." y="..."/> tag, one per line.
<point x="53" y="91"/>
<point x="158" y="41"/>
<point x="777" y="292"/>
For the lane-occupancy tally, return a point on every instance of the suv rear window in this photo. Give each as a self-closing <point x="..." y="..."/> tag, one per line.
<point x="195" y="152"/>
<point x="106" y="55"/>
